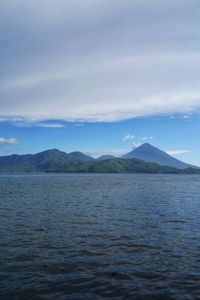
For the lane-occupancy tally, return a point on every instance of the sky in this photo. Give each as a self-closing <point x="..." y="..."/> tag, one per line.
<point x="100" y="76"/>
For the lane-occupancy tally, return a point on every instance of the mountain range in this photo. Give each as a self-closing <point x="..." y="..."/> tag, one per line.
<point x="145" y="159"/>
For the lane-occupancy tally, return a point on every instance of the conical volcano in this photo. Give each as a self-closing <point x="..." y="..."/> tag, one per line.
<point x="149" y="153"/>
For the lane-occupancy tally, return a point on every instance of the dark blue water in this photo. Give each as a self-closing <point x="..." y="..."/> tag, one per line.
<point x="100" y="236"/>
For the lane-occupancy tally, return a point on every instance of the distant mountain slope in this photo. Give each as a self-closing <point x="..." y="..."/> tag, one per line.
<point x="81" y="156"/>
<point x="44" y="161"/>
<point x="150" y="153"/>
<point x="58" y="161"/>
<point x="105" y="157"/>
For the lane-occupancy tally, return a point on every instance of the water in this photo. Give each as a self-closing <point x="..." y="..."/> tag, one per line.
<point x="100" y="236"/>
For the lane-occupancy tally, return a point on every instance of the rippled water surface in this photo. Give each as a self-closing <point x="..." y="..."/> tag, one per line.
<point x="100" y="236"/>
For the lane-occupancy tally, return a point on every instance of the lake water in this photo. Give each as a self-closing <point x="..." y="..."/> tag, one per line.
<point x="98" y="236"/>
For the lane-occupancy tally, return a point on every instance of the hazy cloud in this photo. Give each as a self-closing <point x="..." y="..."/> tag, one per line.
<point x="54" y="125"/>
<point x="177" y="152"/>
<point x="79" y="124"/>
<point x="128" y="137"/>
<point x="36" y="124"/>
<point x="136" y="145"/>
<point x="10" y="141"/>
<point x="114" y="152"/>
<point x="146" y="138"/>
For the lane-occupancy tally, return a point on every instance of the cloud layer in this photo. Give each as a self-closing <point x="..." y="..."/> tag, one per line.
<point x="99" y="60"/>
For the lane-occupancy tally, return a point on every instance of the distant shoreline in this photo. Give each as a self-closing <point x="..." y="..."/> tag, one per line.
<point x="100" y="173"/>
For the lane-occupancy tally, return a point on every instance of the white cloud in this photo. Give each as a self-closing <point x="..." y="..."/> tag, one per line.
<point x="54" y="125"/>
<point x="137" y="141"/>
<point x="9" y="141"/>
<point x="36" y="124"/>
<point x="177" y="152"/>
<point x="136" y="145"/>
<point x="146" y="138"/>
<point x="128" y="137"/>
<point x="97" y="60"/>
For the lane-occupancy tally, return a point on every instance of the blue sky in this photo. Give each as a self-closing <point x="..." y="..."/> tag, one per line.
<point x="102" y="76"/>
<point x="178" y="135"/>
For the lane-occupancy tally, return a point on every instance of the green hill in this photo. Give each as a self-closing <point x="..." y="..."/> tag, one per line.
<point x="58" y="161"/>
